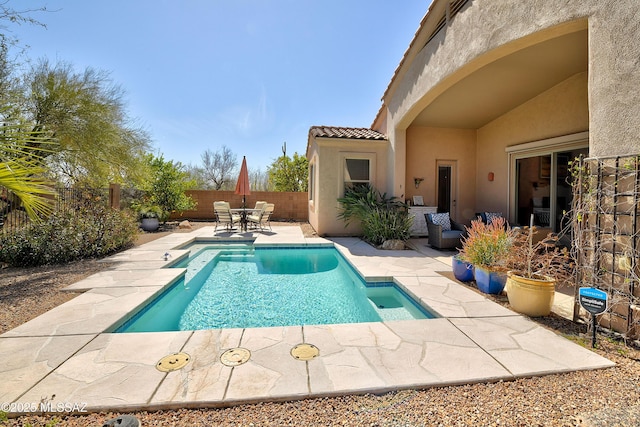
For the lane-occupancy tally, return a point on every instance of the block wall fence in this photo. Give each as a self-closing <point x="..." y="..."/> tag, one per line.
<point x="289" y="206"/>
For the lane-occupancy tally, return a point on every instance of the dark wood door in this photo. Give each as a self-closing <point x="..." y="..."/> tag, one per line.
<point x="444" y="188"/>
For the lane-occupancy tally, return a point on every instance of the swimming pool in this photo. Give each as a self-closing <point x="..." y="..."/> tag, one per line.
<point x="239" y="286"/>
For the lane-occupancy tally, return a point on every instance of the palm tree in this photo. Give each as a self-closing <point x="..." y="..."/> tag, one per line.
<point x="21" y="168"/>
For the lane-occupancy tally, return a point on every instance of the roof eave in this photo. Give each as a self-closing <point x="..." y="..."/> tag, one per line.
<point x="410" y="51"/>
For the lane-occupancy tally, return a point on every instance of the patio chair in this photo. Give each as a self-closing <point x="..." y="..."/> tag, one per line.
<point x="262" y="218"/>
<point x="224" y="215"/>
<point x="444" y="233"/>
<point x="487" y="217"/>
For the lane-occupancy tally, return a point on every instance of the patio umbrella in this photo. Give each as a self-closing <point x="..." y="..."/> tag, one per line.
<point x="242" y="186"/>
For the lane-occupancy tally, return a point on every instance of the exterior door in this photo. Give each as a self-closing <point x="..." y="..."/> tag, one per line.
<point x="446" y="187"/>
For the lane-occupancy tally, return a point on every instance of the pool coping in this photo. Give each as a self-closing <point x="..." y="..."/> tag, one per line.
<point x="65" y="359"/>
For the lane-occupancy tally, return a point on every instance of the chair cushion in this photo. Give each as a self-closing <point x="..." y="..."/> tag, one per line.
<point x="452" y="234"/>
<point x="490" y="216"/>
<point x="442" y="219"/>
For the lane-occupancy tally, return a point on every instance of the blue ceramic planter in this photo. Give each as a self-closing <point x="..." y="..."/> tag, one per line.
<point x="490" y="282"/>
<point x="462" y="270"/>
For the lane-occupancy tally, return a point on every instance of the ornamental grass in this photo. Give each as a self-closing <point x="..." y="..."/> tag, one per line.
<point x="487" y="245"/>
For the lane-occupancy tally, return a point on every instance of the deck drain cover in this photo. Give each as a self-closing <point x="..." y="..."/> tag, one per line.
<point x="173" y="362"/>
<point x="235" y="356"/>
<point x="305" y="352"/>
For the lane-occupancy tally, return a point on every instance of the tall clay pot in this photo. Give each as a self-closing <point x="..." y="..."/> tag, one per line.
<point x="490" y="282"/>
<point x="533" y="297"/>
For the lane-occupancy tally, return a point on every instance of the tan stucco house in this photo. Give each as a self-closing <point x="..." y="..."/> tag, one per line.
<point x="490" y="101"/>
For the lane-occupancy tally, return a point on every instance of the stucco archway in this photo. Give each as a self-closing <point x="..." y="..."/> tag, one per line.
<point x="473" y="114"/>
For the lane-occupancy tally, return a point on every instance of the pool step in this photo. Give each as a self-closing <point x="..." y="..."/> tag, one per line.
<point x="238" y="257"/>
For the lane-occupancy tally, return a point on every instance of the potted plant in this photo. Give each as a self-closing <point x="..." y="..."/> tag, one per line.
<point x="535" y="270"/>
<point x="462" y="270"/>
<point x="486" y="247"/>
<point x="150" y="216"/>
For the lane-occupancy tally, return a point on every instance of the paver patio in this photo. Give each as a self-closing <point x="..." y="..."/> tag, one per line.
<point x="65" y="356"/>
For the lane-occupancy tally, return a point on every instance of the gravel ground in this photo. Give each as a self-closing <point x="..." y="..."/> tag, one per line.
<point x="609" y="397"/>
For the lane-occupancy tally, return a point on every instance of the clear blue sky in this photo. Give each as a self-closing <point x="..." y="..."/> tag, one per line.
<point x="248" y="74"/>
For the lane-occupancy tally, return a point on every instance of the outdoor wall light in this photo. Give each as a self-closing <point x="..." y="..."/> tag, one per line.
<point x="417" y="181"/>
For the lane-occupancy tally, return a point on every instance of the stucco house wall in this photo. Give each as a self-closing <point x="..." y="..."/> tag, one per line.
<point x="425" y="147"/>
<point x="487" y="30"/>
<point x="561" y="110"/>
<point x="326" y="157"/>
<point x="614" y="77"/>
<point x="596" y="94"/>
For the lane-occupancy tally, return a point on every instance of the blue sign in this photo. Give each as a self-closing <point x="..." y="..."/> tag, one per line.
<point x="593" y="300"/>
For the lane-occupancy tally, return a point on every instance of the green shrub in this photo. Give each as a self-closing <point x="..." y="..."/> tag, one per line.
<point x="380" y="225"/>
<point x="149" y="211"/>
<point x="83" y="232"/>
<point x="167" y="185"/>
<point x="358" y="201"/>
<point x="381" y="217"/>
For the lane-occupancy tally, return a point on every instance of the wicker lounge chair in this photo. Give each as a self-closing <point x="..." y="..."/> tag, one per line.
<point x="444" y="233"/>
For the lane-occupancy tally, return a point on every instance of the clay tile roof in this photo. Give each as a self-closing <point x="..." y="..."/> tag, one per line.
<point x="342" y="132"/>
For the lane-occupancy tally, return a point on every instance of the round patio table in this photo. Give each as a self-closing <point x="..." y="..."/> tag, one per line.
<point x="243" y="216"/>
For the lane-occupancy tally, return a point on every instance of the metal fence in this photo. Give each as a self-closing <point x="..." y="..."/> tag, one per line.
<point x="66" y="199"/>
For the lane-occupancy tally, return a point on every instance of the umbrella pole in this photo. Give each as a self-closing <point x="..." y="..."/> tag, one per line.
<point x="244" y="212"/>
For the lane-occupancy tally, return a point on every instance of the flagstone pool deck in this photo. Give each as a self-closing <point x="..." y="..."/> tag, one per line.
<point x="67" y="357"/>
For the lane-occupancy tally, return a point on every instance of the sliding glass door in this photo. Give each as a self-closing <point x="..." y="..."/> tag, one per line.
<point x="541" y="184"/>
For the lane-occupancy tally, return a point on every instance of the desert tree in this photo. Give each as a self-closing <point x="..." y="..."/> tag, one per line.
<point x="84" y="111"/>
<point x="196" y="176"/>
<point x="218" y="168"/>
<point x="259" y="180"/>
<point x="289" y="174"/>
<point x="166" y="186"/>
<point x="21" y="169"/>
<point x="10" y="16"/>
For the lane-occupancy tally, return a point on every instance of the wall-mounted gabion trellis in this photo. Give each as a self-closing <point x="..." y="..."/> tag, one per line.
<point x="606" y="219"/>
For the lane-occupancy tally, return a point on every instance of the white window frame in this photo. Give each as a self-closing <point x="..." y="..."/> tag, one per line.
<point x="313" y="179"/>
<point x="545" y="147"/>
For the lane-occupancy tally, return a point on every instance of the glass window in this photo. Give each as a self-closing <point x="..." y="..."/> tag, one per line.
<point x="312" y="181"/>
<point x="356" y="171"/>
<point x="543" y="188"/>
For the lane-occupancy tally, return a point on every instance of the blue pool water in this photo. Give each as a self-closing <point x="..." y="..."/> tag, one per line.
<point x="237" y="286"/>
